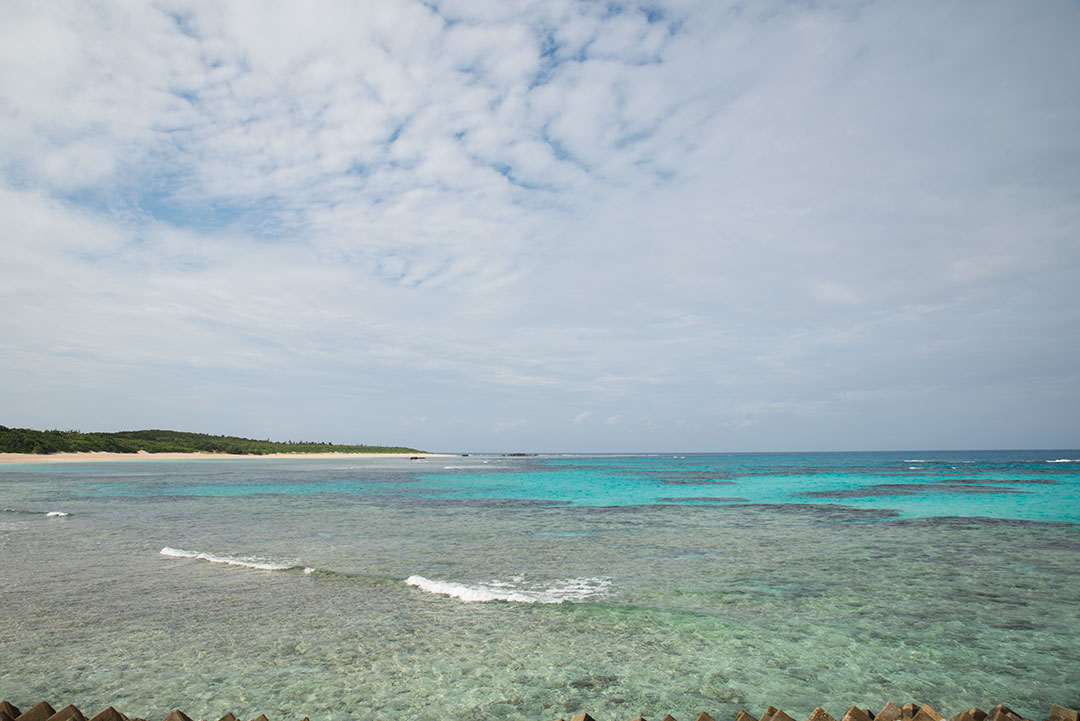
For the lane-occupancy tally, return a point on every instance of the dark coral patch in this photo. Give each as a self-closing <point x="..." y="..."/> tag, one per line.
<point x="703" y="499"/>
<point x="908" y="489"/>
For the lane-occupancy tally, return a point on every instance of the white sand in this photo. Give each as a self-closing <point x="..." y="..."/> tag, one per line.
<point x="144" y="456"/>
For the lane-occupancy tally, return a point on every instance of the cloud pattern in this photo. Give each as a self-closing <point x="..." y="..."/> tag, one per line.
<point x="560" y="225"/>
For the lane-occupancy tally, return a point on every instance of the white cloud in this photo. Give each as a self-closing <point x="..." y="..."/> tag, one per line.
<point x="504" y="426"/>
<point x="504" y="210"/>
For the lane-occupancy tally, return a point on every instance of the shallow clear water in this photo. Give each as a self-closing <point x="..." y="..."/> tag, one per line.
<point x="832" y="579"/>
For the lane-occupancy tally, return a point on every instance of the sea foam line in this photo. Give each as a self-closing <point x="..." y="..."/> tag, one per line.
<point x="246" y="561"/>
<point x="1063" y="460"/>
<point x="515" y="591"/>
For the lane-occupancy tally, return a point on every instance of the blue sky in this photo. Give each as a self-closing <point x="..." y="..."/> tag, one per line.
<point x="544" y="226"/>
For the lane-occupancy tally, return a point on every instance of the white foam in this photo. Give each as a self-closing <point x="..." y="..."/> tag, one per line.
<point x="52" y="514"/>
<point x="516" y="590"/>
<point x="247" y="561"/>
<point x="1064" y="460"/>
<point x="914" y="460"/>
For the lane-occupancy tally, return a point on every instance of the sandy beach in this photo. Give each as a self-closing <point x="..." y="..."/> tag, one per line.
<point x="95" y="456"/>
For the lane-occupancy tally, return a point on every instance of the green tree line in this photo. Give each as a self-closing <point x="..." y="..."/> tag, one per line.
<point x="26" y="440"/>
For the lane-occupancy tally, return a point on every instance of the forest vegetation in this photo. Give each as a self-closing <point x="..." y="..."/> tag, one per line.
<point x="26" y="440"/>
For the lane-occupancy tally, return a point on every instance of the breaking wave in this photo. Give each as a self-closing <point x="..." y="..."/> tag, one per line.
<point x="516" y="590"/>
<point x="261" y="564"/>
<point x="47" y="514"/>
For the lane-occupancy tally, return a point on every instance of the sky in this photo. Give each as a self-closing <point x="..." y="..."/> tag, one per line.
<point x="472" y="225"/>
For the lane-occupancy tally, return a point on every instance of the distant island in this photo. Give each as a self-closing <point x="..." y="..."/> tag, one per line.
<point x="26" y="440"/>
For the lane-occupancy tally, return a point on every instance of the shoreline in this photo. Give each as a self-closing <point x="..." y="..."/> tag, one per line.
<point x="98" y="456"/>
<point x="911" y="711"/>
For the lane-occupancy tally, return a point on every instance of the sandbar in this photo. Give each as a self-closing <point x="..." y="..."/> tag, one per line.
<point x="93" y="456"/>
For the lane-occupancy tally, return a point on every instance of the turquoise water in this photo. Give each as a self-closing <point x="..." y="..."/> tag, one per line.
<point x="532" y="588"/>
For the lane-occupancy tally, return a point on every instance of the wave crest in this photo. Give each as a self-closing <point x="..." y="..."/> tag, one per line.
<point x="516" y="590"/>
<point x="47" y="514"/>
<point x="261" y="564"/>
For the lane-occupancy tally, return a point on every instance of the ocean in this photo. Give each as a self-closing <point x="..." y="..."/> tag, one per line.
<point x="494" y="587"/>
